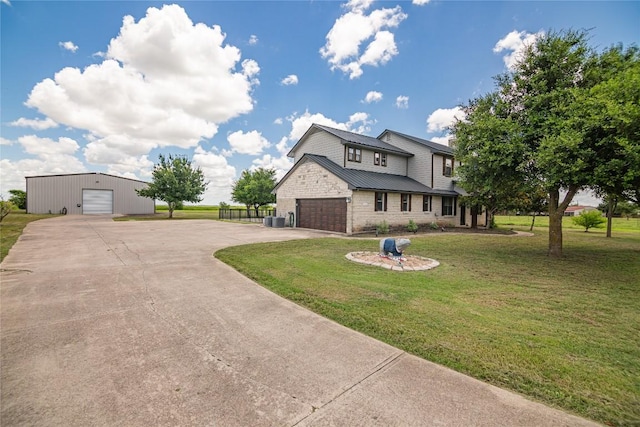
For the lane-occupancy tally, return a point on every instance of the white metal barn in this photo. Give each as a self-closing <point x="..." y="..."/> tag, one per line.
<point x="86" y="193"/>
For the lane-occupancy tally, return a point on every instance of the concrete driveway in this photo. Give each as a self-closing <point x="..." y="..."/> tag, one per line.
<point x="136" y="324"/>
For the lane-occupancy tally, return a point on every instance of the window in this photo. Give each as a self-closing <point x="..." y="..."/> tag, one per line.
<point x="448" y="206"/>
<point x="426" y="203"/>
<point x="354" y="154"/>
<point x="381" y="202"/>
<point x="447" y="166"/>
<point x="405" y="202"/>
<point x="380" y="159"/>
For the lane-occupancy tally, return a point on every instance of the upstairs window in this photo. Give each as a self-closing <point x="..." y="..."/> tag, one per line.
<point x="380" y="159"/>
<point x="447" y="166"/>
<point x="354" y="155"/>
<point x="426" y="203"/>
<point x="381" y="202"/>
<point x="405" y="202"/>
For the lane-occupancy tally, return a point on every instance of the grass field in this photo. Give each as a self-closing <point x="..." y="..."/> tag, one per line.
<point x="565" y="332"/>
<point x="618" y="224"/>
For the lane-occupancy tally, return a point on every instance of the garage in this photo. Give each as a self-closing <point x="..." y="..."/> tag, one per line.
<point x="322" y="214"/>
<point x="97" y="202"/>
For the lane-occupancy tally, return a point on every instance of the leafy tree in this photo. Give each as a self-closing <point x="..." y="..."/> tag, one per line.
<point x="5" y="208"/>
<point x="18" y="198"/>
<point x="624" y="208"/>
<point x="223" y="205"/>
<point x="531" y="132"/>
<point x="488" y="145"/>
<point x="175" y="181"/>
<point x="253" y="189"/>
<point x="589" y="219"/>
<point x="610" y="118"/>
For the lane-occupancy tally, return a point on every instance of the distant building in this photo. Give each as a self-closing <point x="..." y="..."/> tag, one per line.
<point x="85" y="194"/>
<point x="577" y="210"/>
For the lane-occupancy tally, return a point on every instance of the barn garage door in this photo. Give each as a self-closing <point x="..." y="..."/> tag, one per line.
<point x="97" y="202"/>
<point x="323" y="214"/>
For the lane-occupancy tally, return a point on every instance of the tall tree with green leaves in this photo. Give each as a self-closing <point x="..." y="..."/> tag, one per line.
<point x="534" y="127"/>
<point x="18" y="198"/>
<point x="175" y="181"/>
<point x="610" y="119"/>
<point x="253" y="189"/>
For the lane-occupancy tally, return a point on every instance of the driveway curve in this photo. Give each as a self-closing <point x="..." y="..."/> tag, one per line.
<point x="135" y="324"/>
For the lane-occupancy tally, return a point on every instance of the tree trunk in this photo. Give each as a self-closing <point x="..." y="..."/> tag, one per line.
<point x="474" y="217"/>
<point x="610" y="208"/>
<point x="170" y="211"/>
<point x="556" y="212"/>
<point x="533" y="221"/>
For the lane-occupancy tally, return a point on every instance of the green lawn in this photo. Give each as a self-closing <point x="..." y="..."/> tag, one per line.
<point x="618" y="224"/>
<point x="565" y="332"/>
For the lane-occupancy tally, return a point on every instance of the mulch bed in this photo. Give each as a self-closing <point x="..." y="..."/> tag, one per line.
<point x="405" y="263"/>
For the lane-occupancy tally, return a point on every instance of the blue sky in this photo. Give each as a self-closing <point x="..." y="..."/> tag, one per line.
<point x="106" y="86"/>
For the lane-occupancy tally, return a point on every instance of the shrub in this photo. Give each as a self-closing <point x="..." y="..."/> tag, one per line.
<point x="5" y="208"/>
<point x="412" y="227"/>
<point x="589" y="219"/>
<point x="382" y="228"/>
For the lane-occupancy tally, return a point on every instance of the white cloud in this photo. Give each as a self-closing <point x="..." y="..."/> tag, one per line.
<point x="253" y="40"/>
<point x="217" y="172"/>
<point x="7" y="2"/>
<point x="68" y="46"/>
<point x="372" y="96"/>
<point x="36" y="124"/>
<point x="4" y="141"/>
<point x="247" y="143"/>
<point x="278" y="121"/>
<point x="444" y="140"/>
<point x="291" y="79"/>
<point x="280" y="164"/>
<point x="358" y="39"/>
<point x="420" y="2"/>
<point x="283" y="146"/>
<point x="165" y="82"/>
<point x="515" y="42"/>
<point x="51" y="157"/>
<point x="440" y="119"/>
<point x="402" y="102"/>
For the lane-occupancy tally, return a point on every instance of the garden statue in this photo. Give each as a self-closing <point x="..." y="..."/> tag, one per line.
<point x="392" y="247"/>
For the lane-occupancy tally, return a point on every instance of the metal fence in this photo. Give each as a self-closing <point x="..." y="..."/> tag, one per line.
<point x="250" y="215"/>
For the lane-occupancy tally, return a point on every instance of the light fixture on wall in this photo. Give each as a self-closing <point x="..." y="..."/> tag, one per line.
<point x="348" y="199"/>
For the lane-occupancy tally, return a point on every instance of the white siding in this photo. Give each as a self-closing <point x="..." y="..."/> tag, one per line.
<point x="396" y="165"/>
<point x="53" y="193"/>
<point x="419" y="166"/>
<point x="321" y="143"/>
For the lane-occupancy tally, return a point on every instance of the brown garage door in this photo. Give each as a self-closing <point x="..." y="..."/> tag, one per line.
<point x="323" y="214"/>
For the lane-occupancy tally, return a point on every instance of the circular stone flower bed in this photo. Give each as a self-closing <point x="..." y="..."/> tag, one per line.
<point x="406" y="263"/>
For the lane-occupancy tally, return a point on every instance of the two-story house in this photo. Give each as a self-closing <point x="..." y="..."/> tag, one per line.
<point x="346" y="182"/>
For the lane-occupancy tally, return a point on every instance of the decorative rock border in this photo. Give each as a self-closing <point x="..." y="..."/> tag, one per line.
<point x="418" y="263"/>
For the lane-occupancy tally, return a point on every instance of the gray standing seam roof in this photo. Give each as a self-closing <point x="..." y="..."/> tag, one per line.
<point x="367" y="141"/>
<point x="365" y="180"/>
<point x="438" y="148"/>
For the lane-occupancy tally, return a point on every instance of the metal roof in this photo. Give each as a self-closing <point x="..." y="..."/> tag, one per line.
<point x="368" y="141"/>
<point x="438" y="148"/>
<point x="375" y="181"/>
<point x="86" y="173"/>
<point x="353" y="139"/>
